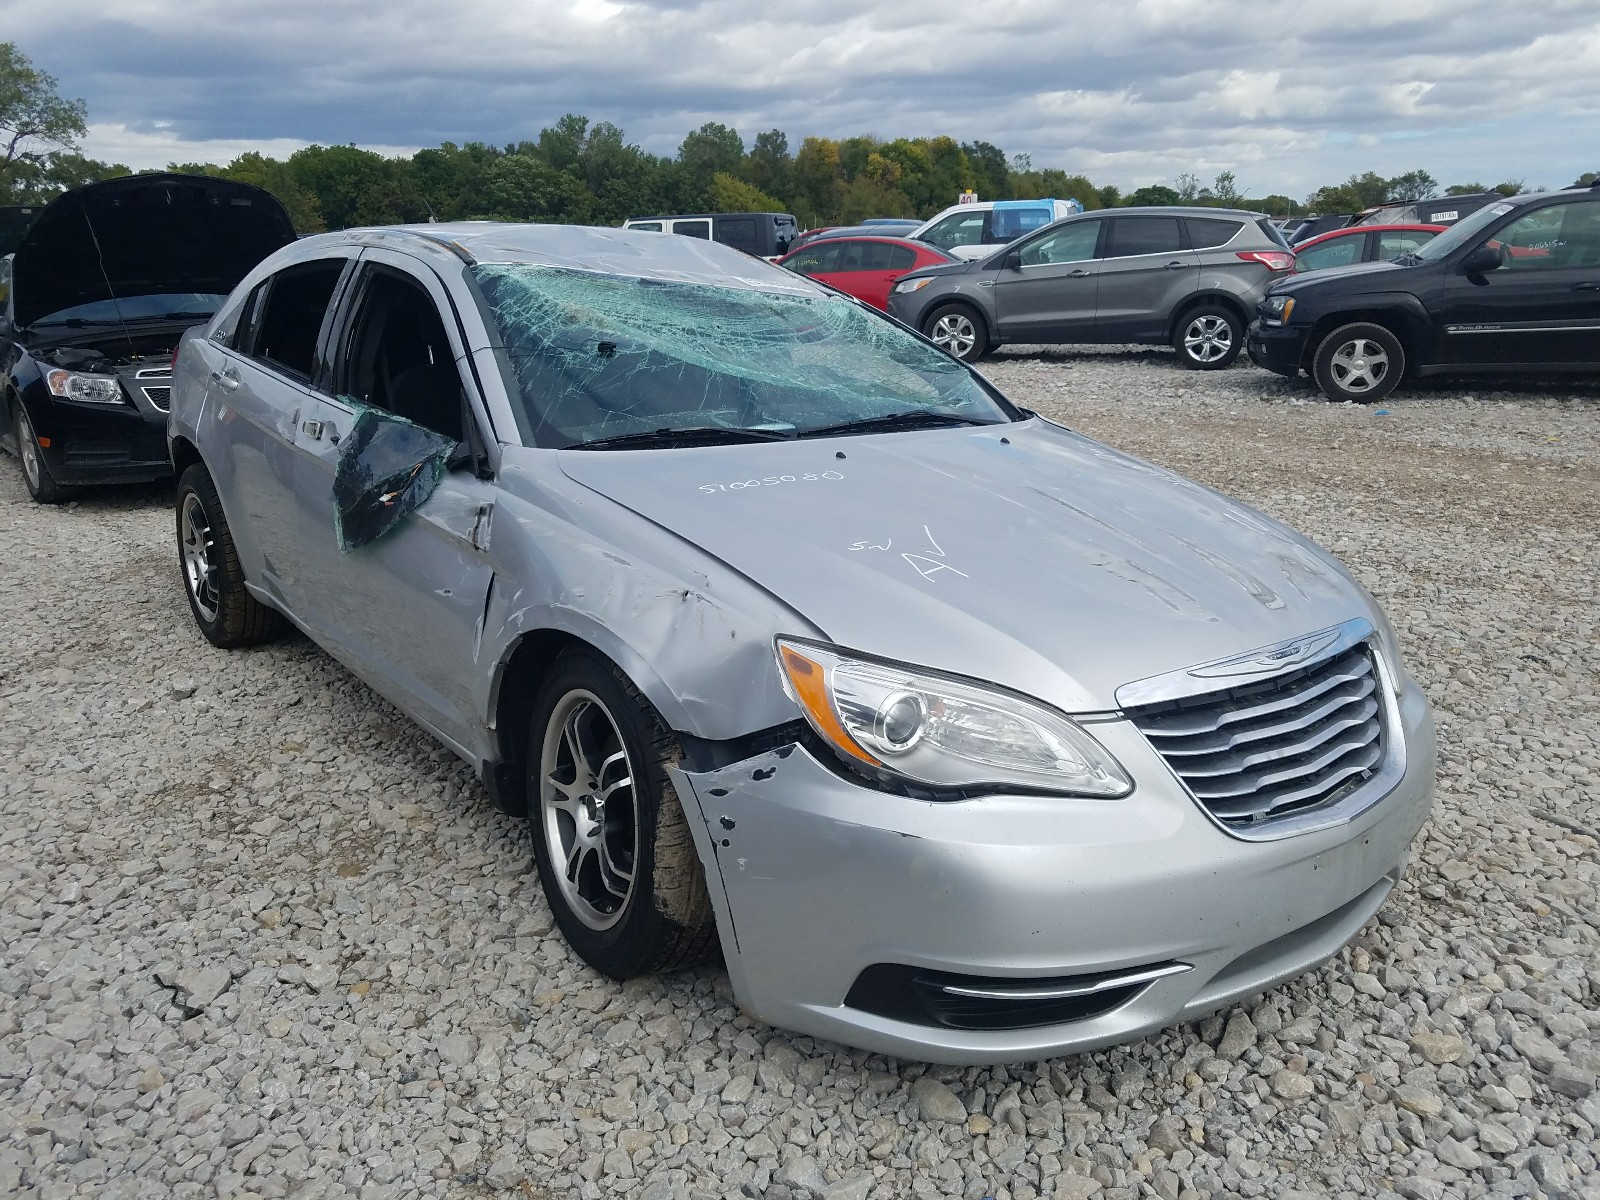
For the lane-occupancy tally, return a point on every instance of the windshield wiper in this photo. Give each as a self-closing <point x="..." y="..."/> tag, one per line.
<point x="919" y="418"/>
<point x="89" y="322"/>
<point x="693" y="435"/>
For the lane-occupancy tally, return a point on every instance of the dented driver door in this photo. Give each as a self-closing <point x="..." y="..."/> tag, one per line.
<point x="405" y="610"/>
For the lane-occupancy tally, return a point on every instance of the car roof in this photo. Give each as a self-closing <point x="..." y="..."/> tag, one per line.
<point x="602" y="250"/>
<point x="911" y="243"/>
<point x="1363" y="230"/>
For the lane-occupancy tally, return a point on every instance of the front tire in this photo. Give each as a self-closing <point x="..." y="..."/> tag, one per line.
<point x="35" y="471"/>
<point x="611" y="840"/>
<point x="1360" y="362"/>
<point x="225" y="611"/>
<point x="957" y="330"/>
<point x="1208" y="338"/>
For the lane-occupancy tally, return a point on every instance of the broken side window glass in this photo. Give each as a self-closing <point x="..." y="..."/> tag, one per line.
<point x="387" y="467"/>
<point x="604" y="356"/>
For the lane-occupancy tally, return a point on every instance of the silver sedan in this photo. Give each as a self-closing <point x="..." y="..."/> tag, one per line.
<point x="956" y="734"/>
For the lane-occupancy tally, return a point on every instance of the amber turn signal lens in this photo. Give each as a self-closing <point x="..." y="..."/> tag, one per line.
<point x="810" y="685"/>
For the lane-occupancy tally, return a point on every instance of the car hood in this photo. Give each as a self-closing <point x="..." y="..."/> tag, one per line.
<point x="156" y="234"/>
<point x="1377" y="274"/>
<point x="1022" y="554"/>
<point x="959" y="267"/>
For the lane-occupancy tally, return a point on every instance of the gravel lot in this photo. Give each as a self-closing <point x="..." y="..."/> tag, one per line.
<point x="259" y="936"/>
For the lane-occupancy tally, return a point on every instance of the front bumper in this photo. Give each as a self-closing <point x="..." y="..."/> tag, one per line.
<point x="815" y="879"/>
<point x="1279" y="348"/>
<point x="92" y="443"/>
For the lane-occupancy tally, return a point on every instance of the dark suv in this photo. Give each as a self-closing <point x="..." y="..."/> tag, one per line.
<point x="1512" y="289"/>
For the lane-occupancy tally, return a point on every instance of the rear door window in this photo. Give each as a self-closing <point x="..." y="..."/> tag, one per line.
<point x="738" y="232"/>
<point x="648" y="226"/>
<point x="1205" y="232"/>
<point x="1008" y="224"/>
<point x="694" y="229"/>
<point x="1131" y="236"/>
<point x="295" y="303"/>
<point x="901" y="258"/>
<point x="1393" y="244"/>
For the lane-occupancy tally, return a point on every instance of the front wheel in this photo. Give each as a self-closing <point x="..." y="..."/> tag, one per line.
<point x="1208" y="338"/>
<point x="612" y="843"/>
<point x="35" y="471"/>
<point x="957" y="330"/>
<point x="1361" y="361"/>
<point x="226" y="612"/>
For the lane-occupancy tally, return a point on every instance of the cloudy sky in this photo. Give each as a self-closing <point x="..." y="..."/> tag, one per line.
<point x="1288" y="95"/>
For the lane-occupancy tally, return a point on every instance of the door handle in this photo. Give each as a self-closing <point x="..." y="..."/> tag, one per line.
<point x="1174" y="266"/>
<point x="1080" y="273"/>
<point x="227" y="379"/>
<point x="1586" y="287"/>
<point x="312" y="429"/>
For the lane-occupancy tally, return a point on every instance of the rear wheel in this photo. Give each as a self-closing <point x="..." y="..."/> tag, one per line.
<point x="1208" y="338"/>
<point x="958" y="330"/>
<point x="35" y="471"/>
<point x="226" y="612"/>
<point x="611" y="840"/>
<point x="1361" y="362"/>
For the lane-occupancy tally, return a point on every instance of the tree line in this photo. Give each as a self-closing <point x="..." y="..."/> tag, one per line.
<point x="587" y="172"/>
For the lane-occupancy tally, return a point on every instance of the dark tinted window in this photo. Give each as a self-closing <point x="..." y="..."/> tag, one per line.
<point x="296" y="301"/>
<point x="867" y="256"/>
<point x="1144" y="235"/>
<point x="1337" y="252"/>
<point x="694" y="229"/>
<point x="901" y="258"/>
<point x="399" y="357"/>
<point x="738" y="232"/>
<point x="1401" y="241"/>
<point x="1210" y="231"/>
<point x="647" y="226"/>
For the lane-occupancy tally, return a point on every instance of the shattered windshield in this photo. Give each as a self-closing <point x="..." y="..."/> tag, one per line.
<point x="614" y="358"/>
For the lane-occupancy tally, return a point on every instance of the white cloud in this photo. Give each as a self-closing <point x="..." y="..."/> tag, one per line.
<point x="1290" y="97"/>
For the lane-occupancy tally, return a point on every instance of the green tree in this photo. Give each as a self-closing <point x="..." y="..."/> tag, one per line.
<point x="991" y="177"/>
<point x="1109" y="195"/>
<point x="357" y="187"/>
<point x="36" y="124"/>
<point x="769" y="165"/>
<point x="1511" y="187"/>
<point x="818" y="183"/>
<point x="730" y="194"/>
<point x="1225" y="188"/>
<point x="1587" y="179"/>
<point x="703" y="153"/>
<point x="525" y="188"/>
<point x="1465" y="189"/>
<point x="1154" y="194"/>
<point x="1188" y="188"/>
<point x="1413" y="185"/>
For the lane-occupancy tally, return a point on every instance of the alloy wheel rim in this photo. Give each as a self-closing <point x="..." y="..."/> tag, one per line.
<point x="199" y="572"/>
<point x="589" y="809"/>
<point x="954" y="333"/>
<point x="1359" y="365"/>
<point x="28" y="445"/>
<point x="1207" y="339"/>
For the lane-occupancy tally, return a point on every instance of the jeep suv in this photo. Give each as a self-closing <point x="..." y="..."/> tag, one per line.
<point x="1513" y="289"/>
<point x="1185" y="276"/>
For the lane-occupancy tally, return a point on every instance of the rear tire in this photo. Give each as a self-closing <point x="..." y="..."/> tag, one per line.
<point x="1361" y="362"/>
<point x="225" y="611"/>
<point x="611" y="840"/>
<point x="35" y="471"/>
<point x="958" y="331"/>
<point x="1208" y="338"/>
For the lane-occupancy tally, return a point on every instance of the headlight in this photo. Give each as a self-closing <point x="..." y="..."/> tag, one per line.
<point x="1275" y="310"/>
<point x="92" y="389"/>
<point x="903" y="286"/>
<point x="942" y="732"/>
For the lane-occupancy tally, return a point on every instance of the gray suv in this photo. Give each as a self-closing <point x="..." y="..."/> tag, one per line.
<point x="1190" y="277"/>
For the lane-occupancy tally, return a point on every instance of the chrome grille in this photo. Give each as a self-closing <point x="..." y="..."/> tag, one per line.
<point x="160" y="397"/>
<point x="1283" y="746"/>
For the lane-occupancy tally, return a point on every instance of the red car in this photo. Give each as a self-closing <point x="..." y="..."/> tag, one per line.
<point x="1361" y="243"/>
<point x="863" y="267"/>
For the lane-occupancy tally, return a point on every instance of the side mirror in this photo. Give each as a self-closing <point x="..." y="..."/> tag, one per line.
<point x="1490" y="256"/>
<point x="1012" y="261"/>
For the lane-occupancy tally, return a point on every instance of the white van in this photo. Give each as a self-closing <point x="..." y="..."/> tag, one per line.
<point x="974" y="230"/>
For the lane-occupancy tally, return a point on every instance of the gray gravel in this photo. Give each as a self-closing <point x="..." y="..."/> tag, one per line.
<point x="259" y="937"/>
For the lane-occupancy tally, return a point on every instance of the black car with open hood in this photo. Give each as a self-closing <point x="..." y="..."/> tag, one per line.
<point x="101" y="285"/>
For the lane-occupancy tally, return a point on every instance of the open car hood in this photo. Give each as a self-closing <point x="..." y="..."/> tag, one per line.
<point x="1048" y="563"/>
<point x="157" y="234"/>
